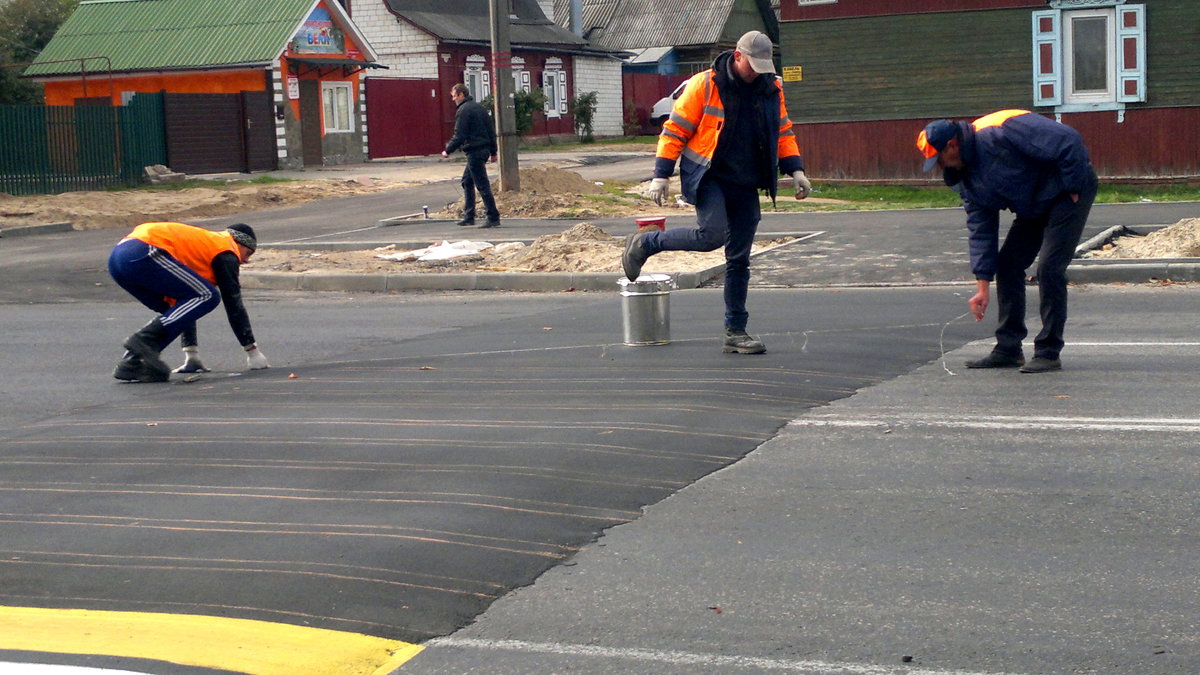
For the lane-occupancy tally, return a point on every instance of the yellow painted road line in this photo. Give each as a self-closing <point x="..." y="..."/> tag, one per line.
<point x="238" y="645"/>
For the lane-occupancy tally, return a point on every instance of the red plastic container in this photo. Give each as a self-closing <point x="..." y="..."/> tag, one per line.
<point x="651" y="223"/>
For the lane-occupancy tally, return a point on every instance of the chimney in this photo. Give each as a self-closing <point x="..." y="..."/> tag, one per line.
<point x="576" y="23"/>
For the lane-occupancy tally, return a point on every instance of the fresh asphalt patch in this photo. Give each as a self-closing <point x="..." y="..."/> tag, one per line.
<point x="400" y="492"/>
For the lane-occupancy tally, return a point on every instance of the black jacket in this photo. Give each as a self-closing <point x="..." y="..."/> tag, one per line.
<point x="473" y="129"/>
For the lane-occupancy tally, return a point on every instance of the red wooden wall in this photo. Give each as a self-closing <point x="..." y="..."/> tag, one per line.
<point x="1149" y="142"/>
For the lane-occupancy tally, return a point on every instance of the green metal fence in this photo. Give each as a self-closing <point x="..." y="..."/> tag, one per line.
<point x="49" y="149"/>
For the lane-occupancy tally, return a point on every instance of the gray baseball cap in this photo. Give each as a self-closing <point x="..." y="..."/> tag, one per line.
<point x="757" y="47"/>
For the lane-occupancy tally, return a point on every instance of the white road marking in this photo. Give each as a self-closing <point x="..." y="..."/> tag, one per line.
<point x="1009" y="422"/>
<point x="691" y="658"/>
<point x="9" y="668"/>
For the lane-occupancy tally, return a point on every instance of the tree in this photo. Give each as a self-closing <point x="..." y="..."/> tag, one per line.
<point x="25" y="28"/>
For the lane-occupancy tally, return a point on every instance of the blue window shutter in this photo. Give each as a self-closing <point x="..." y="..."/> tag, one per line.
<point x="1131" y="53"/>
<point x="1047" y="58"/>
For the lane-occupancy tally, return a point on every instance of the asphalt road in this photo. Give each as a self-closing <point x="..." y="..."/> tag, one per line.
<point x="498" y="473"/>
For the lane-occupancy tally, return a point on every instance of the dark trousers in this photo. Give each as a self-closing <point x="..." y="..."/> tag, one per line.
<point x="163" y="284"/>
<point x="474" y="178"/>
<point x="1054" y="237"/>
<point x="726" y="215"/>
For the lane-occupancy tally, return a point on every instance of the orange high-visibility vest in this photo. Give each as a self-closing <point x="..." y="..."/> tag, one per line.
<point x="996" y="119"/>
<point x="698" y="118"/>
<point x="193" y="246"/>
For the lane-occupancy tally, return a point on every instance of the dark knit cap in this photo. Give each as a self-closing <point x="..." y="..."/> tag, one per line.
<point x="244" y="235"/>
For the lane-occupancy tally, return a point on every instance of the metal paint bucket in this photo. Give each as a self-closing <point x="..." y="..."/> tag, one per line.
<point x="646" y="309"/>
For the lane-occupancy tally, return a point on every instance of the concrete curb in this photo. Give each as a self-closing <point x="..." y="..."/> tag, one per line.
<point x="544" y="282"/>
<point x="549" y="282"/>
<point x="26" y="230"/>
<point x="1128" y="270"/>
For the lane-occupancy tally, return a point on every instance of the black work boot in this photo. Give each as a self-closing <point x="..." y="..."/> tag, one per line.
<point x="129" y="368"/>
<point x="634" y="256"/>
<point x="147" y="344"/>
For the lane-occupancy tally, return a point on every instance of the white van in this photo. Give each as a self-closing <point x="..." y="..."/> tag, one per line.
<point x="662" y="110"/>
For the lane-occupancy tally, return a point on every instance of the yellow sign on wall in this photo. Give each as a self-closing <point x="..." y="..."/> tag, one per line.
<point x="793" y="73"/>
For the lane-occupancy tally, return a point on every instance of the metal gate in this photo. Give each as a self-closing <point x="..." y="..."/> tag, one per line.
<point x="404" y="117"/>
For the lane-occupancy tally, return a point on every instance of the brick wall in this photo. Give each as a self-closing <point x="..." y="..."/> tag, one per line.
<point x="602" y="76"/>
<point x="405" y="50"/>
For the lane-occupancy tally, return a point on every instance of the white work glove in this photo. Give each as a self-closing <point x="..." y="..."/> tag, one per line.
<point x="658" y="190"/>
<point x="255" y="359"/>
<point x="191" y="362"/>
<point x="803" y="187"/>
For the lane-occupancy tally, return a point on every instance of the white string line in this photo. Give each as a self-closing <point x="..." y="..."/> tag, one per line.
<point x="679" y="658"/>
<point x="942" y="340"/>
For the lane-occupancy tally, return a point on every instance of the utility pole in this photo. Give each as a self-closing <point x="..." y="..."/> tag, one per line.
<point x="506" y="109"/>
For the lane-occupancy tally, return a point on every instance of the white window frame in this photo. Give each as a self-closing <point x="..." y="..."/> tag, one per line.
<point x="335" y="119"/>
<point x="477" y="77"/>
<point x="1109" y="93"/>
<point x="521" y="79"/>
<point x="1053" y="67"/>
<point x="554" y="86"/>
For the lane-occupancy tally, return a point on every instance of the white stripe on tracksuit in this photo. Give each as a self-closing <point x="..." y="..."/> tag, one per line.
<point x="186" y="275"/>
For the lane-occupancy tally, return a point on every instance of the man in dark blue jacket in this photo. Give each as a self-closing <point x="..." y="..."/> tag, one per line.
<point x="476" y="135"/>
<point x="1038" y="169"/>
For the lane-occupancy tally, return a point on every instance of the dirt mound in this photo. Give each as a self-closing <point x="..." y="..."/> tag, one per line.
<point x="1181" y="240"/>
<point x="551" y="180"/>
<point x="546" y="192"/>
<point x="580" y="248"/>
<point x="128" y="208"/>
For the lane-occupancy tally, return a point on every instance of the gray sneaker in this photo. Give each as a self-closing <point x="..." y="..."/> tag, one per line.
<point x="741" y="342"/>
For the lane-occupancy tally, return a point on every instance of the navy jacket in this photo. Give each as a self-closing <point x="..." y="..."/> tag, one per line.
<point x="1021" y="163"/>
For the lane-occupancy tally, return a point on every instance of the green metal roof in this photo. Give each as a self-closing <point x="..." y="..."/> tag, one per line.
<point x="172" y="34"/>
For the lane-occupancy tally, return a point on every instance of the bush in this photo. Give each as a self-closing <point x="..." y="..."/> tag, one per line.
<point x="525" y="103"/>
<point x="583" y="108"/>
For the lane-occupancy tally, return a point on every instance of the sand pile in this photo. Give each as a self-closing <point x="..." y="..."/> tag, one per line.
<point x="1181" y="240"/>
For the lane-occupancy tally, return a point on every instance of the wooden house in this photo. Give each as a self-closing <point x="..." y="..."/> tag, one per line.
<point x="669" y="39"/>
<point x="862" y="78"/>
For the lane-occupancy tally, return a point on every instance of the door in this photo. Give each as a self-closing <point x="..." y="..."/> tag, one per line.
<point x="204" y="132"/>
<point x="403" y="117"/>
<point x="260" y="153"/>
<point x="310" y="123"/>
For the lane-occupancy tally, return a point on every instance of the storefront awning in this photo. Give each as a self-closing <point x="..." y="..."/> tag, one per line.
<point x="299" y="65"/>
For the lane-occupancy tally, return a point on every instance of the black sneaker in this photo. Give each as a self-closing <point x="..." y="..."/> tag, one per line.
<point x="997" y="360"/>
<point x="466" y="223"/>
<point x="490" y="223"/>
<point x="740" y="342"/>
<point x="634" y="256"/>
<point x="1040" y="364"/>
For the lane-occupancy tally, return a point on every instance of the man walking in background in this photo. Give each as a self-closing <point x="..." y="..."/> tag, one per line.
<point x="730" y="132"/>
<point x="476" y="135"/>
<point x="1039" y="169"/>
